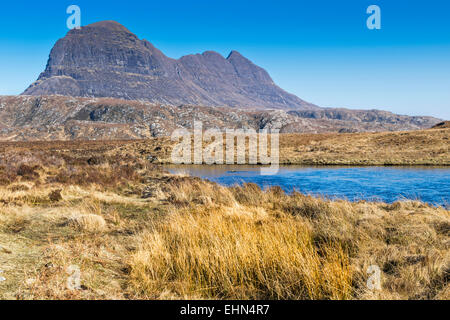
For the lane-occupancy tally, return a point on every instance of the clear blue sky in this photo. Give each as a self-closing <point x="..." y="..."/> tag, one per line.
<point x="319" y="50"/>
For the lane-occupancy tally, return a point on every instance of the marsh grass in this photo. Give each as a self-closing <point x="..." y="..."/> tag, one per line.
<point x="421" y="147"/>
<point x="270" y="245"/>
<point x="238" y="256"/>
<point x="137" y="232"/>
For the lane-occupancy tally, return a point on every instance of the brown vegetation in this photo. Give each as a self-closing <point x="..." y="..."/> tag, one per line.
<point x="136" y="232"/>
<point x="425" y="147"/>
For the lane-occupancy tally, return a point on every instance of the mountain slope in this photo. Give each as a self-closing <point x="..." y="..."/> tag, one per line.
<point x="26" y="118"/>
<point x="105" y="59"/>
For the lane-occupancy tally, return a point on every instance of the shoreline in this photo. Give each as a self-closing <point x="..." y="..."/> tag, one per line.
<point x="445" y="165"/>
<point x="300" y="178"/>
<point x="402" y="148"/>
<point x="411" y="148"/>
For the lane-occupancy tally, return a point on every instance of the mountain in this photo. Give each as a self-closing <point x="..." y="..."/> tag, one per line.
<point x="105" y="59"/>
<point x="103" y="82"/>
<point x="26" y="118"/>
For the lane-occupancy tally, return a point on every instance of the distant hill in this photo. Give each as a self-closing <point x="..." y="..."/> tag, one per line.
<point x="105" y="59"/>
<point x="27" y="118"/>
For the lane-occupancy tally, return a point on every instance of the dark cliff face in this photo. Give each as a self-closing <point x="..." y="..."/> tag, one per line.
<point x="107" y="60"/>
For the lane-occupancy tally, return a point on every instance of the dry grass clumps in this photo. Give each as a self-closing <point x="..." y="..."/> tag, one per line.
<point x="246" y="256"/>
<point x="196" y="239"/>
<point x="271" y="245"/>
<point x="424" y="147"/>
<point x="184" y="191"/>
<point x="88" y="222"/>
<point x="55" y="195"/>
<point x="420" y="147"/>
<point x="88" y="217"/>
<point x="135" y="231"/>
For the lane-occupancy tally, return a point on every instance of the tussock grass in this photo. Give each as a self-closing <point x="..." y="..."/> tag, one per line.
<point x="245" y="256"/>
<point x="88" y="222"/>
<point x="241" y="243"/>
<point x="421" y="147"/>
<point x="135" y="231"/>
<point x="270" y="245"/>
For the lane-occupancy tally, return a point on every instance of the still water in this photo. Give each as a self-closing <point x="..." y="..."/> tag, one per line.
<point x="387" y="184"/>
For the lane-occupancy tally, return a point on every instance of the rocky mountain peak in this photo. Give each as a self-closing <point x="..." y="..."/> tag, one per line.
<point x="102" y="31"/>
<point x="233" y="53"/>
<point x="105" y="59"/>
<point x="108" y="25"/>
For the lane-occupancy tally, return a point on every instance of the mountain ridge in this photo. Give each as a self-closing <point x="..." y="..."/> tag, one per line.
<point x="105" y="59"/>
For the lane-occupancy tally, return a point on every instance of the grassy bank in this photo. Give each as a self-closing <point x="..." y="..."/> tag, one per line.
<point x="136" y="232"/>
<point x="425" y="147"/>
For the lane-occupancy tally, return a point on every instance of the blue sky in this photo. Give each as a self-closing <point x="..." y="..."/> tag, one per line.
<point x="319" y="50"/>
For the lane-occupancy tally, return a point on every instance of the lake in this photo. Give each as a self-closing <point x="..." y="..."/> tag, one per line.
<point x="387" y="184"/>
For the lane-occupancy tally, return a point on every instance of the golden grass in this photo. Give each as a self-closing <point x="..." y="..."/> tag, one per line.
<point x="422" y="147"/>
<point x="136" y="232"/>
<point x="269" y="245"/>
<point x="88" y="222"/>
<point x="212" y="254"/>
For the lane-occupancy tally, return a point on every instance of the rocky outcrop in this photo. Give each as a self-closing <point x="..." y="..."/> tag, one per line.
<point x="105" y="59"/>
<point x="26" y="118"/>
<point x="442" y="125"/>
<point x="367" y="120"/>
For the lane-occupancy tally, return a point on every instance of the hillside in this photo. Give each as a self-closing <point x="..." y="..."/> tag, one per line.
<point x="26" y="118"/>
